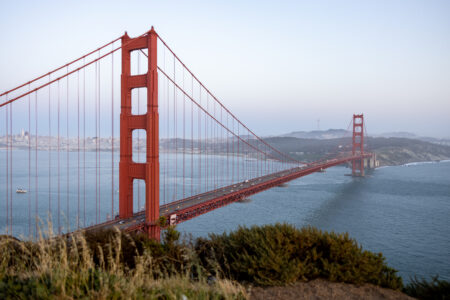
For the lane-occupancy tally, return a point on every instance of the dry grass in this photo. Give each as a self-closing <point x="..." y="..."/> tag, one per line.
<point x="75" y="267"/>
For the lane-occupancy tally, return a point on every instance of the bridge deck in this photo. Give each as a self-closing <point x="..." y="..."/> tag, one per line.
<point x="191" y="207"/>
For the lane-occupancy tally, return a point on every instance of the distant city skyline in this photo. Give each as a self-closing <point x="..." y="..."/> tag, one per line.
<point x="323" y="134"/>
<point x="279" y="66"/>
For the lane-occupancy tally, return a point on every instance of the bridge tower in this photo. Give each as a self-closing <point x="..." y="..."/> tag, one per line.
<point x="129" y="170"/>
<point x="358" y="144"/>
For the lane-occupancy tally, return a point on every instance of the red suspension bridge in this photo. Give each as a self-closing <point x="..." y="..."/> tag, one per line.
<point x="182" y="153"/>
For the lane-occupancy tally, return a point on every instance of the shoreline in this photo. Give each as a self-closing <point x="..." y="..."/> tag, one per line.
<point x="416" y="163"/>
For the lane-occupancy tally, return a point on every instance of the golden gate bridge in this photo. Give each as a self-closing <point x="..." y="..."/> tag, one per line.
<point x="191" y="154"/>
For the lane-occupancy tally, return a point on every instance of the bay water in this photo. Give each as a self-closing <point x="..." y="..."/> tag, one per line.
<point x="401" y="211"/>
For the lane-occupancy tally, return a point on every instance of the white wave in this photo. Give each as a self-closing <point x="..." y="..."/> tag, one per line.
<point x="420" y="163"/>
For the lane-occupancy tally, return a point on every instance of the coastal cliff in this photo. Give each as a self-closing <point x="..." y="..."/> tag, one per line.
<point x="390" y="151"/>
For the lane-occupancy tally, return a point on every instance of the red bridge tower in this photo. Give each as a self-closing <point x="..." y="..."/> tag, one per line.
<point x="358" y="145"/>
<point x="129" y="170"/>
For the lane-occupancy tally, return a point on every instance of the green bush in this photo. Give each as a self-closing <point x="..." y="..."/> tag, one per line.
<point x="424" y="289"/>
<point x="281" y="254"/>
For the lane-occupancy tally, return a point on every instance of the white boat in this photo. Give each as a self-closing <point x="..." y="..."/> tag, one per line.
<point x="21" y="191"/>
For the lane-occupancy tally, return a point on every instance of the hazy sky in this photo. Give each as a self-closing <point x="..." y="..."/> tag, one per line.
<point x="278" y="65"/>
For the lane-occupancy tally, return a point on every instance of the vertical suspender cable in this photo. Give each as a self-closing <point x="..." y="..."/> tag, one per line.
<point x="36" y="164"/>
<point x="165" y="89"/>
<point x="249" y="162"/>
<point x="199" y="125"/>
<point x="29" y="163"/>
<point x="263" y="159"/>
<point x="215" y="147"/>
<point x="233" y="154"/>
<point x="221" y="145"/>
<point x="207" y="142"/>
<point x="84" y="146"/>
<point x="218" y="157"/>
<point x="49" y="152"/>
<point x="98" y="142"/>
<point x="200" y="141"/>
<point x="7" y="166"/>
<point x="175" y="131"/>
<point x="78" y="149"/>
<point x="239" y="156"/>
<point x="192" y="138"/>
<point x="10" y="170"/>
<point x="112" y="133"/>
<point x="257" y="169"/>
<point x="243" y="156"/>
<point x="166" y="182"/>
<point x="59" y="162"/>
<point x="229" y="156"/>
<point x="246" y="163"/>
<point x="184" y="138"/>
<point x="67" y="153"/>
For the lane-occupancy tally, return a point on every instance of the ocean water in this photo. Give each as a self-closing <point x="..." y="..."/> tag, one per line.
<point x="85" y="190"/>
<point x="401" y="211"/>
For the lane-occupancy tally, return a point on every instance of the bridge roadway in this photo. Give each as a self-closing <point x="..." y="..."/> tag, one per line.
<point x="188" y="208"/>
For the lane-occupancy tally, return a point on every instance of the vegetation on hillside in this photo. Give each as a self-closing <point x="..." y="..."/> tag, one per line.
<point x="433" y="289"/>
<point x="280" y="254"/>
<point x="113" y="265"/>
<point x="390" y="151"/>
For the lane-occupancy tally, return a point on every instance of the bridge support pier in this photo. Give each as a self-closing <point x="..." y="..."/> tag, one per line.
<point x="371" y="162"/>
<point x="129" y="170"/>
<point x="358" y="145"/>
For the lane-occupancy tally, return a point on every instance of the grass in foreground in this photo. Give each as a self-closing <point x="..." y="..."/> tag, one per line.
<point x="106" y="265"/>
<point x="114" y="265"/>
<point x="432" y="289"/>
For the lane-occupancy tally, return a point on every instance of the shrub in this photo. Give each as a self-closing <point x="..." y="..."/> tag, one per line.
<point x="281" y="254"/>
<point x="424" y="289"/>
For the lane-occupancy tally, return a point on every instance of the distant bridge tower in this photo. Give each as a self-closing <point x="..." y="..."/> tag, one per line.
<point x="129" y="170"/>
<point x="358" y="145"/>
